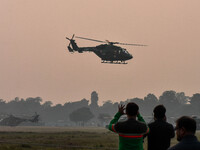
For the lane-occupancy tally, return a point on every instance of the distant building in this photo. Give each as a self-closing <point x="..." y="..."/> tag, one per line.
<point x="94" y="100"/>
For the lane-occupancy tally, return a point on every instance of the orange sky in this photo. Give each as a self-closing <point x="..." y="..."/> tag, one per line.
<point x="34" y="60"/>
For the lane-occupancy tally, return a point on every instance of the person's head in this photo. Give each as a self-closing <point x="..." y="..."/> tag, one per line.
<point x="132" y="109"/>
<point x="185" y="126"/>
<point x="159" y="112"/>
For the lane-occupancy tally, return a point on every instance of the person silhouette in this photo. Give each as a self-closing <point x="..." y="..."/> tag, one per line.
<point x="130" y="131"/>
<point x="185" y="132"/>
<point x="161" y="131"/>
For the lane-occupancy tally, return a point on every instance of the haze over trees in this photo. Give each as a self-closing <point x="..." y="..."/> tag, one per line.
<point x="81" y="115"/>
<point x="89" y="113"/>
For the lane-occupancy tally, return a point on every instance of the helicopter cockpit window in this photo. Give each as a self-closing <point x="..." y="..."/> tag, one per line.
<point x="124" y="50"/>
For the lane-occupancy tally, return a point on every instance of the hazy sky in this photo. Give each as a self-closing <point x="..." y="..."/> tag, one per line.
<point x="34" y="60"/>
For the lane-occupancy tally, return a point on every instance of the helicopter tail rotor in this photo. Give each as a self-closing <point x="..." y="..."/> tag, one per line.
<point x="70" y="43"/>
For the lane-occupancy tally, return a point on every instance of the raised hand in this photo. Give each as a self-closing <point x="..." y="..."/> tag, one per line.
<point x="121" y="109"/>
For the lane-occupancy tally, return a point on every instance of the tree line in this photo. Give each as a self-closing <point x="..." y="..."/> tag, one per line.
<point x="88" y="112"/>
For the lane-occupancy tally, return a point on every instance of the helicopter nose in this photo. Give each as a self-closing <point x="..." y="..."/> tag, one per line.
<point x="130" y="56"/>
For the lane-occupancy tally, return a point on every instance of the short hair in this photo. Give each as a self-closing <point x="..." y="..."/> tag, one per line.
<point x="132" y="109"/>
<point x="186" y="122"/>
<point x="159" y="111"/>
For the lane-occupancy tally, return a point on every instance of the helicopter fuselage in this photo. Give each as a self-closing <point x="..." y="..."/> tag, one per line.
<point x="107" y="52"/>
<point x="112" y="53"/>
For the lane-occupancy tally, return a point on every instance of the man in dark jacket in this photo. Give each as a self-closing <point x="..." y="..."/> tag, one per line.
<point x="161" y="132"/>
<point x="130" y="131"/>
<point x="185" y="132"/>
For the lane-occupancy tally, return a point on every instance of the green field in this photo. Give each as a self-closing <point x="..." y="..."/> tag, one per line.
<point x="58" y="138"/>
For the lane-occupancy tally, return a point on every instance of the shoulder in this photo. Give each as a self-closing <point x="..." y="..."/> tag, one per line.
<point x="163" y="123"/>
<point x="186" y="146"/>
<point x="151" y="124"/>
<point x="142" y="123"/>
<point x="131" y="126"/>
<point x="142" y="126"/>
<point x="169" y="125"/>
<point x="120" y="124"/>
<point x="178" y="146"/>
<point x="198" y="143"/>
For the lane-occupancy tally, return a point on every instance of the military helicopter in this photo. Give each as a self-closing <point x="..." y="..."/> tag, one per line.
<point x="15" y="121"/>
<point x="108" y="52"/>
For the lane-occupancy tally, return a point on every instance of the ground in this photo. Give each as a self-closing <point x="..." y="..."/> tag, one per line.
<point x="60" y="138"/>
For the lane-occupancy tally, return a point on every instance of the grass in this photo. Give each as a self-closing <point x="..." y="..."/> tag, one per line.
<point x="59" y="138"/>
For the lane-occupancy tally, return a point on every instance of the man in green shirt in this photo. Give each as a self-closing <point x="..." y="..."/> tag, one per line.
<point x="130" y="131"/>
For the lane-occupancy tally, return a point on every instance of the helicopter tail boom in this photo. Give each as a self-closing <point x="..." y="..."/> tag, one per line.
<point x="70" y="49"/>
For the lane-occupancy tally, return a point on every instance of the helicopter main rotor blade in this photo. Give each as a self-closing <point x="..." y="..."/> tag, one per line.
<point x="90" y="39"/>
<point x="73" y="36"/>
<point x="129" y="44"/>
<point x="108" y="42"/>
<point x="68" y="38"/>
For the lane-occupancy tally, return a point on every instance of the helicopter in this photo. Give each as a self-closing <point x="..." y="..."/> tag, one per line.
<point x="108" y="52"/>
<point x="15" y="121"/>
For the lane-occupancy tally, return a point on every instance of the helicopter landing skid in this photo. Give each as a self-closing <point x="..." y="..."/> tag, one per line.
<point x="114" y="62"/>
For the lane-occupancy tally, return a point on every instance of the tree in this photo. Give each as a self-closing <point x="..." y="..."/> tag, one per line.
<point x="47" y="104"/>
<point x="150" y="101"/>
<point x="33" y="104"/>
<point x="108" y="107"/>
<point x="195" y="99"/>
<point x="2" y="106"/>
<point x="104" y="118"/>
<point x="182" y="99"/>
<point x="195" y="103"/>
<point x="169" y="100"/>
<point x="71" y="106"/>
<point x="13" y="106"/>
<point x="81" y="115"/>
<point x="139" y="102"/>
